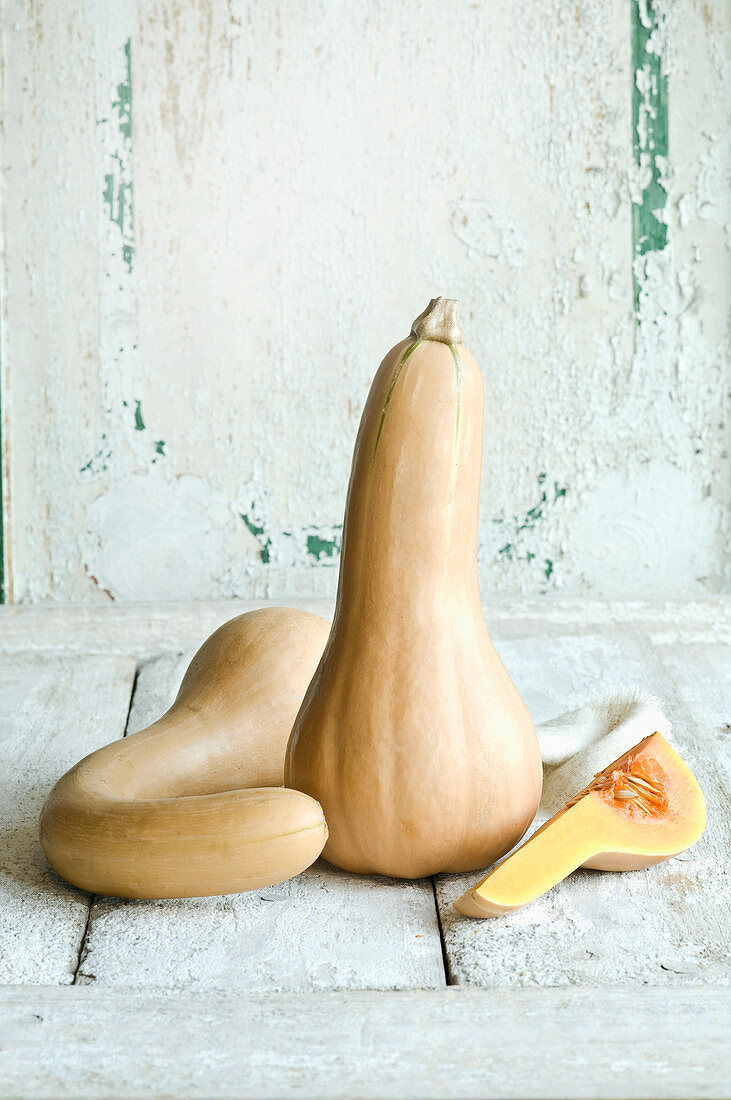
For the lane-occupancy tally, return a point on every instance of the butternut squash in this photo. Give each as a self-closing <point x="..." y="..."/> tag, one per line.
<point x="187" y="807"/>
<point x="642" y="809"/>
<point x="412" y="735"/>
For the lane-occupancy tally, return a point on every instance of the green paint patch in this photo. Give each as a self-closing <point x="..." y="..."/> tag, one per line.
<point x="265" y="543"/>
<point x="140" y="426"/>
<point x="118" y="191"/>
<point x="319" y="547"/>
<point x="528" y="520"/>
<point x="252" y="527"/>
<point x="649" y="132"/>
<point x="320" y="544"/>
<point x="520" y="526"/>
<point x="98" y="464"/>
<point x="123" y="102"/>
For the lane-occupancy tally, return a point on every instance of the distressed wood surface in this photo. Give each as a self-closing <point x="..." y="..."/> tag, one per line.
<point x="53" y="711"/>
<point x="456" y="1043"/>
<point x="640" y="959"/>
<point x="324" y="929"/>
<point x="668" y="925"/>
<point x="702" y="676"/>
<point x="145" y="630"/>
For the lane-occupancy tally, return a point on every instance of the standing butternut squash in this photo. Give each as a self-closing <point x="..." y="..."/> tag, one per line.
<point x="412" y="735"/>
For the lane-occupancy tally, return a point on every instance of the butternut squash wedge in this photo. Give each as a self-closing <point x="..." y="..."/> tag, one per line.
<point x="643" y="808"/>
<point x="412" y="735"/>
<point x="186" y="807"/>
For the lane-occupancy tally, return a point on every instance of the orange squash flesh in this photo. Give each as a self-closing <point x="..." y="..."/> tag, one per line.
<point x="643" y="808"/>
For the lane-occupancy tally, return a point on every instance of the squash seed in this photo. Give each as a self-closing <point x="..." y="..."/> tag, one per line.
<point x="643" y="783"/>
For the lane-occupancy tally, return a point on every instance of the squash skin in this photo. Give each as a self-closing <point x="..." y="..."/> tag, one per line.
<point x="411" y="735"/>
<point x="189" y="807"/>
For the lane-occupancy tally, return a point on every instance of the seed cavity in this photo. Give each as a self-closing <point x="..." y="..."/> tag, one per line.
<point x="624" y="785"/>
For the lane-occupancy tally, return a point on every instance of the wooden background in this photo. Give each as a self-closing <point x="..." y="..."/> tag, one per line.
<point x="219" y="216"/>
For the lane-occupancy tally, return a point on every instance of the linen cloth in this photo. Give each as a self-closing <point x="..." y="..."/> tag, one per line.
<point x="579" y="743"/>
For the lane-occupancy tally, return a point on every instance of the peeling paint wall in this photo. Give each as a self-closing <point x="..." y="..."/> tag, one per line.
<point x="219" y="216"/>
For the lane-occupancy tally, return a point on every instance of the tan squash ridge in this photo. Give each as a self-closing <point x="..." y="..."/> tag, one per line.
<point x="412" y="735"/>
<point x="190" y="807"/>
<point x="643" y="808"/>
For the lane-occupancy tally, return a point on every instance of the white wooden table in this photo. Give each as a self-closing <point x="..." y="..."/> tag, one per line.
<point x="333" y="985"/>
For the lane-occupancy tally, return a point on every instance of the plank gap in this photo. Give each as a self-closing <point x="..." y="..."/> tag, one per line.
<point x="442" y="941"/>
<point x="93" y="898"/>
<point x="82" y="944"/>
<point x="132" y="695"/>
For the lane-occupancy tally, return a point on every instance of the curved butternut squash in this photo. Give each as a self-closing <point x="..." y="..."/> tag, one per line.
<point x="642" y="809"/>
<point x="412" y="735"/>
<point x="186" y="807"/>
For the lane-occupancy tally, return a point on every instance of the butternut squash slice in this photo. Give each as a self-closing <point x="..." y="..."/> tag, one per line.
<point x="412" y="735"/>
<point x="643" y="808"/>
<point x="188" y="807"/>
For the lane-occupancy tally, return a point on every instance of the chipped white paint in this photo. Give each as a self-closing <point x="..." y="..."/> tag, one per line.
<point x="172" y="369"/>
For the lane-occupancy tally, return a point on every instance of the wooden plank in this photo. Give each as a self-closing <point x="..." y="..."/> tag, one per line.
<point x="443" y="1044"/>
<point x="145" y="630"/>
<point x="702" y="676"/>
<point x="324" y="929"/>
<point x="666" y="926"/>
<point x="52" y="712"/>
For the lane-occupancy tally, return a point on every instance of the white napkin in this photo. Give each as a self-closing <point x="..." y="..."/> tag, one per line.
<point x="579" y="743"/>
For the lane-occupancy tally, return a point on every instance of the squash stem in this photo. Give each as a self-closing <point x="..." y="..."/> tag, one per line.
<point x="439" y="321"/>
